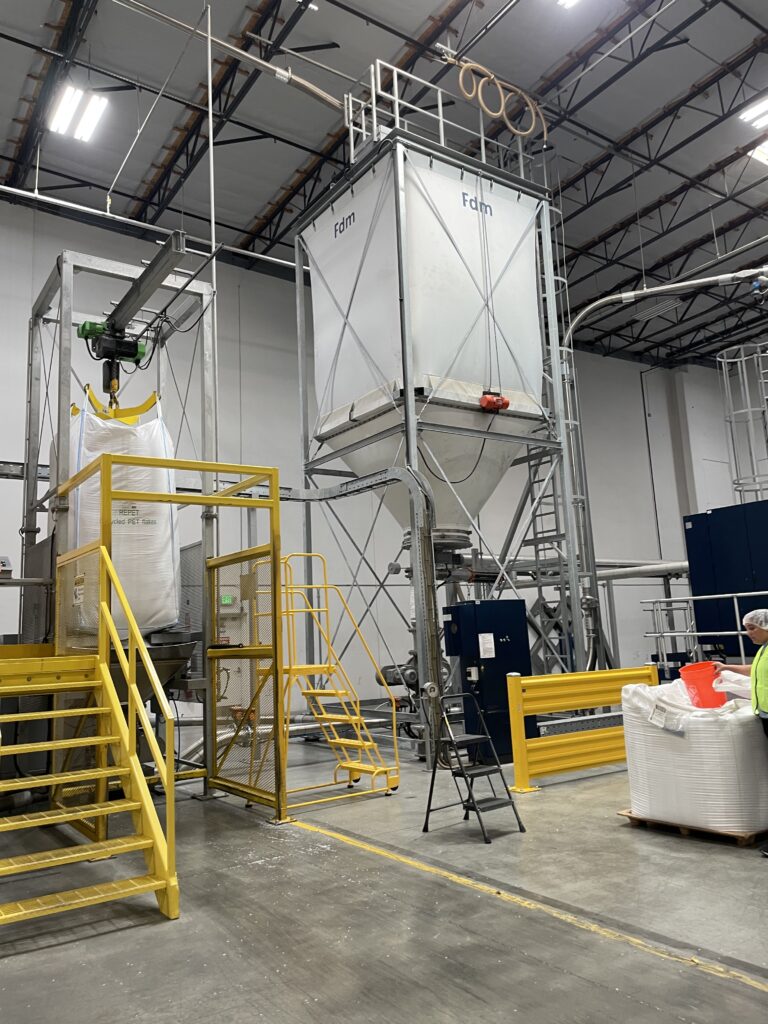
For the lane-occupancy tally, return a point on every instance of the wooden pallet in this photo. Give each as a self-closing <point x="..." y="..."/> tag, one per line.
<point x="740" y="838"/>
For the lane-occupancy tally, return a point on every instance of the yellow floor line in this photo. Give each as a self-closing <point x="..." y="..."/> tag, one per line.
<point x="704" y="966"/>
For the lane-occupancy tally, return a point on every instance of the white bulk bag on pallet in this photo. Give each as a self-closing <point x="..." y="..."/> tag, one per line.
<point x="701" y="767"/>
<point x="145" y="539"/>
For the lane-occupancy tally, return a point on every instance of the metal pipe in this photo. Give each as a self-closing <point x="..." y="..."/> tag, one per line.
<point x="650" y="569"/>
<point x="117" y="218"/>
<point x="624" y="298"/>
<point x="214" y="293"/>
<point x="281" y="74"/>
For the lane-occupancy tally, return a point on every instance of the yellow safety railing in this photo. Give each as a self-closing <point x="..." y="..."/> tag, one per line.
<point x="251" y="762"/>
<point x="571" y="691"/>
<point x="234" y="495"/>
<point x="314" y="600"/>
<point x="127" y="721"/>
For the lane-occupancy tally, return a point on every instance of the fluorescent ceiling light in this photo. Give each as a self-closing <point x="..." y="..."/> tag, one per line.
<point x="761" y="153"/>
<point x="755" y="110"/>
<point x="65" y="110"/>
<point x="91" y="117"/>
<point x="567" y="3"/>
<point x="761" y="122"/>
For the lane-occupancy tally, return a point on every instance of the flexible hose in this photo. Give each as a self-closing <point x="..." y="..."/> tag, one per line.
<point x="473" y="88"/>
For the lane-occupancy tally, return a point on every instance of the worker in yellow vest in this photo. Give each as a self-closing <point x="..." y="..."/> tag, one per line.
<point x="756" y="628"/>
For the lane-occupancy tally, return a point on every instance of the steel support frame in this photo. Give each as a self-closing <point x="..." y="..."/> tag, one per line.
<point x="61" y="282"/>
<point x="561" y="437"/>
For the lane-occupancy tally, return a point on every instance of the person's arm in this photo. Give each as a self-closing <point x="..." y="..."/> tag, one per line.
<point x="742" y="670"/>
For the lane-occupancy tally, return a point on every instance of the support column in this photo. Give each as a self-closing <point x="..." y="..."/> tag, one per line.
<point x="426" y="638"/>
<point x="562" y="427"/>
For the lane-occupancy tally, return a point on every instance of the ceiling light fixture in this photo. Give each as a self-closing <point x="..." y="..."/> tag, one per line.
<point x="314" y="7"/>
<point x="761" y="153"/>
<point x="566" y="3"/>
<point x="91" y="117"/>
<point x="753" y="112"/>
<point x="65" y="109"/>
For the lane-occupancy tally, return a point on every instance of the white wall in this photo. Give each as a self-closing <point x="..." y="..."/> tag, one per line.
<point x="635" y="493"/>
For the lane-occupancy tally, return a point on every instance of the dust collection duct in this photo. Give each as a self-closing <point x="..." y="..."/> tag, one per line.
<point x="467" y="261"/>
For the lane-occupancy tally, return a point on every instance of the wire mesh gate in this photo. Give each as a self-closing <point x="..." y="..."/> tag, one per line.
<point x="248" y="719"/>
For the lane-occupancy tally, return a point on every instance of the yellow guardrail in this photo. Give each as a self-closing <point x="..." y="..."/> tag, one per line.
<point x="127" y="721"/>
<point x="571" y="691"/>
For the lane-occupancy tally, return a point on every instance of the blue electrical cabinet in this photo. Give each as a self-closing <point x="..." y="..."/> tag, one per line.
<point x="490" y="639"/>
<point x="727" y="554"/>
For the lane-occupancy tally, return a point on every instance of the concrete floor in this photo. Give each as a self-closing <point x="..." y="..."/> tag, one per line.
<point x="288" y="926"/>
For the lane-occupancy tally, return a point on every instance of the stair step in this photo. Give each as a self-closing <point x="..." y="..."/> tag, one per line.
<point x="58" y="778"/>
<point x="73" y="899"/>
<point x="475" y="771"/>
<point x="324" y="693"/>
<point x="357" y="744"/>
<point x="466" y="739"/>
<point x="29" y="688"/>
<point x="35" y="716"/>
<point x="489" y="803"/>
<point x="72" y="854"/>
<point x="61" y="815"/>
<point x="339" y="719"/>
<point x="73" y="744"/>
<point x="362" y="767"/>
<point x="78" y="665"/>
<point x="313" y="670"/>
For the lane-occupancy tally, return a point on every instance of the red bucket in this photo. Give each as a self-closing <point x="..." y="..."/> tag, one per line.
<point x="698" y="679"/>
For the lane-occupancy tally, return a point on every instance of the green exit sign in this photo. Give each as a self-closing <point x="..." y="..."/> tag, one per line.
<point x="227" y="600"/>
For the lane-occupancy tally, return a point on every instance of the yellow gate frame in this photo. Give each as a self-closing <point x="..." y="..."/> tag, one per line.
<point x="571" y="691"/>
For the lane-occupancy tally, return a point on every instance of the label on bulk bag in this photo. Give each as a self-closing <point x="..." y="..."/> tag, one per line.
<point x="658" y="716"/>
<point x="78" y="591"/>
<point x="665" y="718"/>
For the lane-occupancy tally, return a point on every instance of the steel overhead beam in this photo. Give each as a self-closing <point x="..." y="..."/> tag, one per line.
<point x="140" y="86"/>
<point x="710" y="84"/>
<point x="71" y="35"/>
<point x="650" y="347"/>
<point x="74" y="181"/>
<point x="164" y="262"/>
<point x="637" y="57"/>
<point x="656" y="206"/>
<point x="749" y="332"/>
<point x="306" y="181"/>
<point x="578" y="61"/>
<point x="683" y="252"/>
<point x="193" y="146"/>
<point x="370" y="19"/>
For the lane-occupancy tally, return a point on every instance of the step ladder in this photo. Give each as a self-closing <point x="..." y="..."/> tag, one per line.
<point x="461" y="753"/>
<point x="326" y="686"/>
<point x="92" y="778"/>
<point x="336" y="709"/>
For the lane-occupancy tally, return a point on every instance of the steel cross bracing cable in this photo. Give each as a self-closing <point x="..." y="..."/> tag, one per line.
<point x="346" y="322"/>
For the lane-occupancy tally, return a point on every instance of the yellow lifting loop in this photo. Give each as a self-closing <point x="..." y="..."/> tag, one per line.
<point x="129" y="416"/>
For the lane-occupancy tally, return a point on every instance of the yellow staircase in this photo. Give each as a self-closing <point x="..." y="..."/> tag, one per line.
<point x="92" y="756"/>
<point x="327" y="687"/>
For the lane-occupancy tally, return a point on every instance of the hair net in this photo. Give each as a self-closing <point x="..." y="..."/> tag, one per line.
<point x="758" y="617"/>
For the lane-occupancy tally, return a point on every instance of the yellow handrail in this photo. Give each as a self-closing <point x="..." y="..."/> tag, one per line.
<point x="109" y="637"/>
